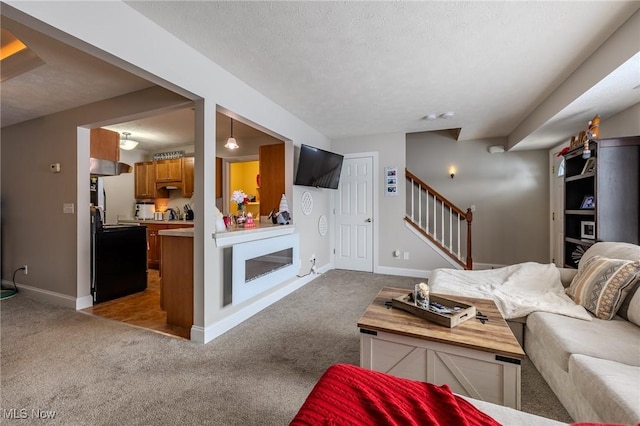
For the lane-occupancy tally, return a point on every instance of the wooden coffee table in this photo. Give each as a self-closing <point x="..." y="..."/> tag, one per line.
<point x="478" y="360"/>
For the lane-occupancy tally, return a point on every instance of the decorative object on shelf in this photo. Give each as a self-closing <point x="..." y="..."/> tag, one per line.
<point x="575" y="142"/>
<point x="592" y="133"/>
<point x="231" y="142"/>
<point x="306" y="201"/>
<point x="576" y="254"/>
<point x="240" y="198"/>
<point x="589" y="165"/>
<point x="221" y="224"/>
<point x="283" y="217"/>
<point x="588" y="202"/>
<point x="441" y="310"/>
<point x="588" y="230"/>
<point x="171" y="155"/>
<point x="249" y="222"/>
<point x="421" y="295"/>
<point x="126" y="143"/>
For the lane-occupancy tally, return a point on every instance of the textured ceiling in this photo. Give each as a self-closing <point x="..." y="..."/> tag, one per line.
<point x="357" y="68"/>
<point x="354" y="68"/>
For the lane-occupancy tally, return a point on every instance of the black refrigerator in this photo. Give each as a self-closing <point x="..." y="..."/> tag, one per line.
<point x="118" y="259"/>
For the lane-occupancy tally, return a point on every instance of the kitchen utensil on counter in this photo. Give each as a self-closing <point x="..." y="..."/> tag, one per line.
<point x="188" y="212"/>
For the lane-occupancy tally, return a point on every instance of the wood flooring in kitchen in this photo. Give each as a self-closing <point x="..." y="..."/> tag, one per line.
<point x="141" y="309"/>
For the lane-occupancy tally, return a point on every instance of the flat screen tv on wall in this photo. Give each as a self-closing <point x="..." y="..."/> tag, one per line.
<point x="319" y="168"/>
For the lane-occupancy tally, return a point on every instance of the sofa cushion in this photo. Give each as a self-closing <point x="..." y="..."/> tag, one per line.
<point x="601" y="284"/>
<point x="612" y="250"/>
<point x="630" y="308"/>
<point x="611" y="388"/>
<point x="561" y="336"/>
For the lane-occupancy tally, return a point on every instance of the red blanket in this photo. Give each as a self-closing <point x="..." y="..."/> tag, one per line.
<point x="350" y="395"/>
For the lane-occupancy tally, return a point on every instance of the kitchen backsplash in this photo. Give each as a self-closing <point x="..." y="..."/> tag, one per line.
<point x="177" y="202"/>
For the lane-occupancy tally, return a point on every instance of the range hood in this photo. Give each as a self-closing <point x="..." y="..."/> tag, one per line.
<point x="100" y="167"/>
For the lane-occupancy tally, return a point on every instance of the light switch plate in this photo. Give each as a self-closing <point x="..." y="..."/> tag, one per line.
<point x="68" y="208"/>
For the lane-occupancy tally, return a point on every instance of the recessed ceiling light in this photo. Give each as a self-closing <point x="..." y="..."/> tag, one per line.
<point x="447" y="115"/>
<point x="429" y="117"/>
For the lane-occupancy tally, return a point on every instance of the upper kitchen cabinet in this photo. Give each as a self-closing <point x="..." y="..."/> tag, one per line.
<point x="271" y="177"/>
<point x="105" y="144"/>
<point x="188" y="169"/>
<point x="169" y="170"/>
<point x="145" y="182"/>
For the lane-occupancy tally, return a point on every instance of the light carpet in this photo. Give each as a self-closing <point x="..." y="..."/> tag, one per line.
<point x="91" y="370"/>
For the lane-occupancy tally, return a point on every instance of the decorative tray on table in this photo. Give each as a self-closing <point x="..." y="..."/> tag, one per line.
<point x="458" y="312"/>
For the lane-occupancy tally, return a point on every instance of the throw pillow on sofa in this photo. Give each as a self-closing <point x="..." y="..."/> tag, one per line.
<point x="630" y="308"/>
<point x="601" y="284"/>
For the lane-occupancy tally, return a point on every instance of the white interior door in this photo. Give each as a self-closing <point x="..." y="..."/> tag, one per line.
<point x="354" y="215"/>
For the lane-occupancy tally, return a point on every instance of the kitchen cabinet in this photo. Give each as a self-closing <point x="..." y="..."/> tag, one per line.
<point x="188" y="170"/>
<point x="153" y="240"/>
<point x="104" y="144"/>
<point x="169" y="170"/>
<point x="271" y="177"/>
<point x="145" y="182"/>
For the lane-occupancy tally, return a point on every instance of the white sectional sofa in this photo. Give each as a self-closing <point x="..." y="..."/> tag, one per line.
<point x="593" y="367"/>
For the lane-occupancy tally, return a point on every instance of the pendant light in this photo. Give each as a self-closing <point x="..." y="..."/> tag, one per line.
<point x="126" y="143"/>
<point x="231" y="142"/>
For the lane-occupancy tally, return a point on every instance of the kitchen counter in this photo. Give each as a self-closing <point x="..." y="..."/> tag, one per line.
<point x="160" y="222"/>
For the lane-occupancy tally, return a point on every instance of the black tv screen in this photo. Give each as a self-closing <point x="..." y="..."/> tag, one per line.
<point x="319" y="168"/>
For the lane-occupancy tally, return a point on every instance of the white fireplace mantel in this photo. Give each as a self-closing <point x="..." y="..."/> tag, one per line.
<point x="243" y="235"/>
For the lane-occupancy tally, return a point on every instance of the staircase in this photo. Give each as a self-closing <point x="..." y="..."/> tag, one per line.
<point x="437" y="220"/>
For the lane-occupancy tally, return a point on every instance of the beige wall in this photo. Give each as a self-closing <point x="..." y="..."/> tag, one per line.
<point x="36" y="230"/>
<point x="390" y="232"/>
<point x="509" y="190"/>
<point x="625" y="123"/>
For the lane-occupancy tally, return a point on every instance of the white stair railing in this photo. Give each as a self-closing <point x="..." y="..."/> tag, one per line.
<point x="439" y="220"/>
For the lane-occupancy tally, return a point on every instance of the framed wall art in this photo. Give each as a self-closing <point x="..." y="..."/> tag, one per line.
<point x="391" y="181"/>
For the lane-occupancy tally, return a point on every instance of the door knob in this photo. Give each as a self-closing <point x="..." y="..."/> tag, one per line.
<point x="368" y="220"/>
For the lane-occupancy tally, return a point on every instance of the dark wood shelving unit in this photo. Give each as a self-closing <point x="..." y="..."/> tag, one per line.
<point x="614" y="185"/>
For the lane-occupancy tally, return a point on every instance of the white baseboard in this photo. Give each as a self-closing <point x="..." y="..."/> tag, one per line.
<point x="52" y="297"/>
<point x="404" y="272"/>
<point x="207" y="334"/>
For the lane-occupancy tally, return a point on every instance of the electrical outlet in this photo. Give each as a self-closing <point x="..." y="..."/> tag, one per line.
<point x="26" y="269"/>
<point x="406" y="255"/>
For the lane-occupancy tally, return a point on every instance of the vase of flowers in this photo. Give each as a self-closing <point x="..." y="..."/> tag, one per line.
<point x="241" y="199"/>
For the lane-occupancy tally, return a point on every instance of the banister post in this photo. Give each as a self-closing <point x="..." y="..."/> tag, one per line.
<point x="469" y="218"/>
